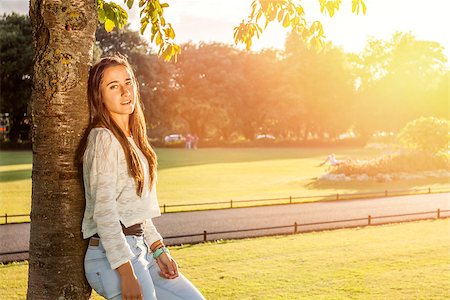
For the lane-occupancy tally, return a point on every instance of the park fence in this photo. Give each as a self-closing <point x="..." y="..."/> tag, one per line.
<point x="6" y="218"/>
<point x="294" y="229"/>
<point x="298" y="227"/>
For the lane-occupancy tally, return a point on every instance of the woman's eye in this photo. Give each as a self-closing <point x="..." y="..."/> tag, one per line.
<point x="129" y="83"/>
<point x="112" y="87"/>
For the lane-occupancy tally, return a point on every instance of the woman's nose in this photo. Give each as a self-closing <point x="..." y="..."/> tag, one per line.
<point x="125" y="91"/>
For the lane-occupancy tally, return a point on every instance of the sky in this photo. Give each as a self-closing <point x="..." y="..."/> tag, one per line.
<point x="214" y="20"/>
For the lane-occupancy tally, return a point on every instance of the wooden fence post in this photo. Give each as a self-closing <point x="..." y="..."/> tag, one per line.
<point x="369" y="220"/>
<point x="438" y="213"/>
<point x="290" y="199"/>
<point x="204" y="235"/>
<point x="6" y="218"/>
<point x="231" y="203"/>
<point x="164" y="208"/>
<point x="295" y="227"/>
<point x="429" y="190"/>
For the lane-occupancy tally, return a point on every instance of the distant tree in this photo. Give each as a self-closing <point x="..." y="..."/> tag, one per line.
<point x="430" y="135"/>
<point x="156" y="82"/>
<point x="320" y="88"/>
<point x="202" y="87"/>
<point x="16" y="71"/>
<point x="124" y="41"/>
<point x="439" y="98"/>
<point x="399" y="82"/>
<point x="257" y="104"/>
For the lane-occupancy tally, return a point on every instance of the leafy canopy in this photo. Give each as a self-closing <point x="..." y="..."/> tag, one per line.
<point x="289" y="13"/>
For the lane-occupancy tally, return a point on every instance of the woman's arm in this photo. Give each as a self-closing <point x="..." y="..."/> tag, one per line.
<point x="129" y="284"/>
<point x="102" y="169"/>
<point x="167" y="265"/>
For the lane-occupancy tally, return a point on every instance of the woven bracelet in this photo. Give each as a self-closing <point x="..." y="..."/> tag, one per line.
<point x="160" y="251"/>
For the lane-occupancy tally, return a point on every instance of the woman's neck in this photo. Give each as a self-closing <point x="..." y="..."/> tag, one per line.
<point x="123" y="123"/>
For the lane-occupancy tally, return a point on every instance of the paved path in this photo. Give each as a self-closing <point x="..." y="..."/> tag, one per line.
<point x="15" y="237"/>
<point x="175" y="224"/>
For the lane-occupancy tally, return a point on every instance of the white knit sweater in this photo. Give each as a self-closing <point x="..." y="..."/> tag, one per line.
<point x="111" y="196"/>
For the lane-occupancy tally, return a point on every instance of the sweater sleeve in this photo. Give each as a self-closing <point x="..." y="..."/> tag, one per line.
<point x="103" y="181"/>
<point x="151" y="235"/>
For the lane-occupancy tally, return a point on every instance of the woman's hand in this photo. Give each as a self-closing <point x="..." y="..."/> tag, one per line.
<point x="129" y="284"/>
<point x="168" y="266"/>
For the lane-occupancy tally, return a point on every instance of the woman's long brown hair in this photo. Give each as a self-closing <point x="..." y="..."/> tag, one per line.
<point x="100" y="117"/>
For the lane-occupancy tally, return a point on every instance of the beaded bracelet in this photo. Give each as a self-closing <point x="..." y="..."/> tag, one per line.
<point x="160" y="251"/>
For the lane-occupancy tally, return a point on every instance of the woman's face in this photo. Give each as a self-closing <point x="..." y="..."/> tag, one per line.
<point x="118" y="91"/>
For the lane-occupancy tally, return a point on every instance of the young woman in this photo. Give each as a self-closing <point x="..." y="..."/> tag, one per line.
<point x="126" y="257"/>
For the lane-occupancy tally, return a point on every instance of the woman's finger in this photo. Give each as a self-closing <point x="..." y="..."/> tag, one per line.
<point x="171" y="268"/>
<point x="164" y="273"/>
<point x="175" y="267"/>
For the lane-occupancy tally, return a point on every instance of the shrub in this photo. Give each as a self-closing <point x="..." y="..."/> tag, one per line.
<point x="430" y="135"/>
<point x="388" y="164"/>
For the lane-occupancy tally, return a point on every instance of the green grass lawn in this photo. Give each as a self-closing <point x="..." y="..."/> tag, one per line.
<point x="396" y="261"/>
<point x="221" y="174"/>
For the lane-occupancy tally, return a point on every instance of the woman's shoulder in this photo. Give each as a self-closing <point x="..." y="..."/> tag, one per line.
<point x="102" y="136"/>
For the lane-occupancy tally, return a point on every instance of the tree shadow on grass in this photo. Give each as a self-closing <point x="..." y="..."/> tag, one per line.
<point x="8" y="158"/>
<point x="7" y="176"/>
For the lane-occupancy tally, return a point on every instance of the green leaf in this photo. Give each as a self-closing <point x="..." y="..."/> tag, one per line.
<point x="101" y="15"/>
<point x="249" y="44"/>
<point x="143" y="26"/>
<point x="280" y="15"/>
<point x="258" y="16"/>
<point x="273" y="14"/>
<point x="163" y="5"/>
<point x="159" y="39"/>
<point x="167" y="53"/>
<point x="129" y="3"/>
<point x="286" y="21"/>
<point x="171" y="34"/>
<point x="109" y="25"/>
<point x="264" y="5"/>
<point x="300" y="10"/>
<point x="109" y="13"/>
<point x="157" y="6"/>
<point x="154" y="15"/>
<point x="235" y="33"/>
<point x="154" y="28"/>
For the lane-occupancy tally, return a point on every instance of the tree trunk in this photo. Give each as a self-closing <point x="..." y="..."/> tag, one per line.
<point x="63" y="34"/>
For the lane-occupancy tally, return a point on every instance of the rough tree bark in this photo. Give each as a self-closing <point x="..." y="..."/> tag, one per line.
<point x="63" y="34"/>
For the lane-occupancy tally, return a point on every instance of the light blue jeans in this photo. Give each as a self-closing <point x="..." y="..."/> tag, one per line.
<point x="106" y="281"/>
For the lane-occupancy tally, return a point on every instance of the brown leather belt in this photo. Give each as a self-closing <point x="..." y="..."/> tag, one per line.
<point x="136" y="229"/>
<point x="93" y="241"/>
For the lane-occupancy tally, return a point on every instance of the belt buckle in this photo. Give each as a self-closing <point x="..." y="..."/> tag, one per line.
<point x="94" y="241"/>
